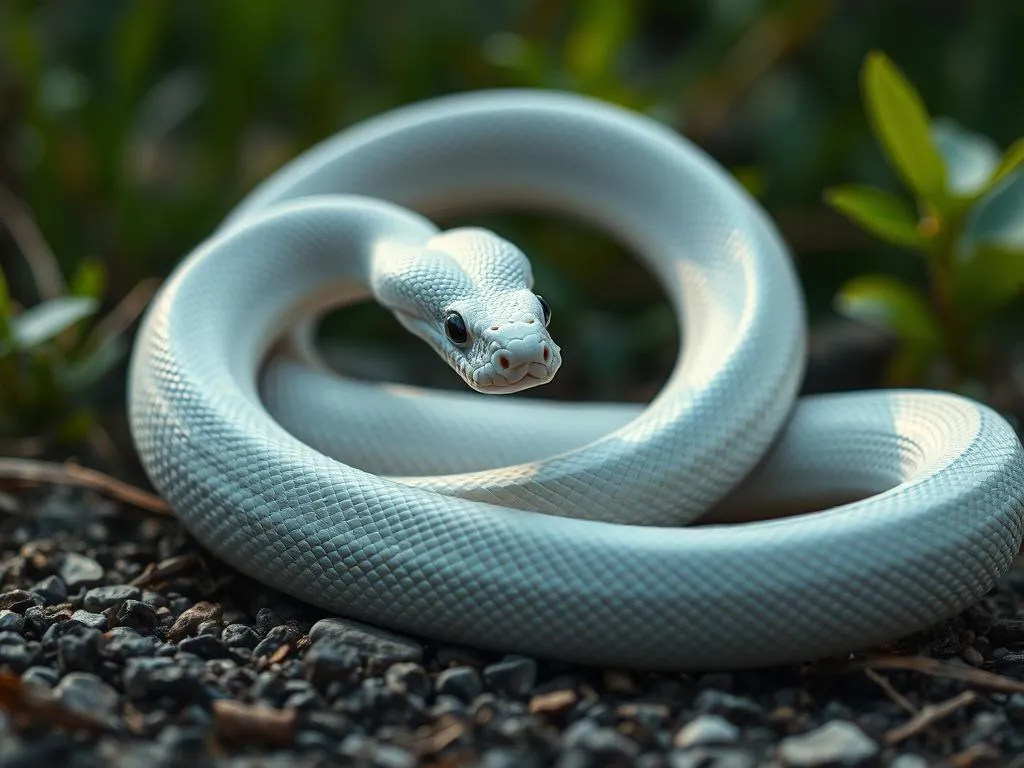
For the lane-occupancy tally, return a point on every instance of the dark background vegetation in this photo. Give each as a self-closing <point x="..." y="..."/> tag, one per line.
<point x="129" y="129"/>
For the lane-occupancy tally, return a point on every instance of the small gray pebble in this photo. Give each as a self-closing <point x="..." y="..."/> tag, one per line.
<point x="43" y="676"/>
<point x="52" y="589"/>
<point x="380" y="645"/>
<point x="239" y="636"/>
<point x="712" y="757"/>
<point x="705" y="730"/>
<point x="737" y="709"/>
<point x="90" y="619"/>
<point x="86" y="693"/>
<point x="12" y="622"/>
<point x="462" y="682"/>
<point x="407" y="677"/>
<point x="836" y="743"/>
<point x="79" y="571"/>
<point x="100" y="598"/>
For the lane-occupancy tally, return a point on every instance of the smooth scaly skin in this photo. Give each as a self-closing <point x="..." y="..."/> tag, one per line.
<point x="948" y="473"/>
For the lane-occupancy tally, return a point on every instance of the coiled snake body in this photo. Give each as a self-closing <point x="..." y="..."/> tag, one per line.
<point x="553" y="528"/>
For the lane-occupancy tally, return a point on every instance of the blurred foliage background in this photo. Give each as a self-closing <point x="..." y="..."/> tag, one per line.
<point x="129" y="129"/>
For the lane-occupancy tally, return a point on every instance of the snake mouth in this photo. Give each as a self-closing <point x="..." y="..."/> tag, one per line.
<point x="507" y="388"/>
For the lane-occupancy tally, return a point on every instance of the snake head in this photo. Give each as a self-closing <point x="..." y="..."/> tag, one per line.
<point x="469" y="294"/>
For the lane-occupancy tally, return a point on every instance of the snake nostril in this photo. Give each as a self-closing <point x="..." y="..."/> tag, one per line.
<point x="494" y="327"/>
<point x="547" y="354"/>
<point x="503" y="362"/>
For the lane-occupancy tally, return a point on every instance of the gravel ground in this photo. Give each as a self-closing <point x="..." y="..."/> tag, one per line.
<point x="123" y="644"/>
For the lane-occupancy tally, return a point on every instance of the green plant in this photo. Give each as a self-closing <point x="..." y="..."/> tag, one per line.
<point x="968" y="227"/>
<point x="53" y="353"/>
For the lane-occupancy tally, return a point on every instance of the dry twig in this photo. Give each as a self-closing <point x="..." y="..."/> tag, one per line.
<point x="33" y="471"/>
<point x="978" y="678"/>
<point x="890" y="691"/>
<point x="929" y="715"/>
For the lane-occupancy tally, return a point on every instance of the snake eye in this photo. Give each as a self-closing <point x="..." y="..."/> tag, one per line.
<point x="455" y="327"/>
<point x="545" y="309"/>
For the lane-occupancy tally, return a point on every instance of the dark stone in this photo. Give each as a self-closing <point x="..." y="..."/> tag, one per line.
<point x="90" y="619"/>
<point x="52" y="590"/>
<point x="11" y="622"/>
<point x="737" y="709"/>
<point x="513" y="676"/>
<point x="100" y="599"/>
<point x="329" y="662"/>
<point x="461" y="682"/>
<point x="407" y="677"/>
<point x="78" y="648"/>
<point x="79" y="571"/>
<point x="88" y="694"/>
<point x="204" y="646"/>
<point x="136" y="615"/>
<point x="37" y="620"/>
<point x="158" y="676"/>
<point x="239" y="636"/>
<point x="20" y="657"/>
<point x="600" y="744"/>
<point x="42" y="676"/>
<point x="123" y="643"/>
<point x="283" y="634"/>
<point x="379" y="645"/>
<point x="18" y="600"/>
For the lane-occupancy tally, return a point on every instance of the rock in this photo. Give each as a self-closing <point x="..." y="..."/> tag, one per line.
<point x="600" y="745"/>
<point x="11" y="622"/>
<point x="838" y="742"/>
<point x="100" y="599"/>
<point x="407" y="677"/>
<point x="737" y="709"/>
<point x="90" y="619"/>
<point x="461" y="682"/>
<point x="52" y="589"/>
<point x="706" y="730"/>
<point x="136" y="615"/>
<point x="283" y="634"/>
<point x="86" y="693"/>
<point x="239" y="636"/>
<point x="79" y="571"/>
<point x="328" y="662"/>
<point x="909" y="761"/>
<point x="123" y="643"/>
<point x="191" y="617"/>
<point x="17" y="600"/>
<point x="712" y="757"/>
<point x="379" y="645"/>
<point x="159" y="676"/>
<point x="78" y="649"/>
<point x="513" y="676"/>
<point x="20" y="656"/>
<point x="42" y="676"/>
<point x="204" y="646"/>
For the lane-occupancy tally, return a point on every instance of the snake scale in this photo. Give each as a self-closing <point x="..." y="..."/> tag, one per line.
<point x="550" y="528"/>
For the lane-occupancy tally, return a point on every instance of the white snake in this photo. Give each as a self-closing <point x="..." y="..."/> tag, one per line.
<point x="574" y="546"/>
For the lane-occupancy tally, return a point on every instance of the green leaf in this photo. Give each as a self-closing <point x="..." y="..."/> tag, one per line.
<point x="900" y="122"/>
<point x="1013" y="157"/>
<point x="885" y="302"/>
<point x="89" y="280"/>
<point x="992" y="277"/>
<point x="970" y="157"/>
<point x="879" y="212"/>
<point x="44" y="321"/>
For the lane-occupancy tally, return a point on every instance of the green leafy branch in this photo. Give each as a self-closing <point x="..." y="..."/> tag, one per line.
<point x="967" y="225"/>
